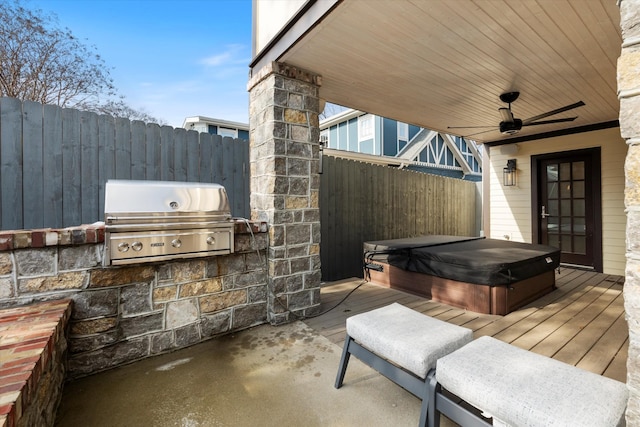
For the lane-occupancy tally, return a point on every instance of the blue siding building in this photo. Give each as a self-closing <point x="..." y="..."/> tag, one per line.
<point x="411" y="146"/>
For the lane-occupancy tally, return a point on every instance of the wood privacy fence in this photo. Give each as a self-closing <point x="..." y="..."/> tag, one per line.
<point x="54" y="163"/>
<point x="361" y="202"/>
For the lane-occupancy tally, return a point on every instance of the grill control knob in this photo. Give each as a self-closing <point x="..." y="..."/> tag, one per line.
<point x="123" y="247"/>
<point x="136" y="246"/>
<point x="211" y="240"/>
<point x="176" y="243"/>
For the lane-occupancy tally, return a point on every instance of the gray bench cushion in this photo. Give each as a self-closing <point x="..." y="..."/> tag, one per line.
<point x="521" y="388"/>
<point x="406" y="337"/>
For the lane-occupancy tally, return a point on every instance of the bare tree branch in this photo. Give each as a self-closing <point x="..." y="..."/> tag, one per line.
<point x="39" y="61"/>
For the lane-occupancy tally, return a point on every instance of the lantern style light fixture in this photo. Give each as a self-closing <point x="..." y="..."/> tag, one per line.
<point x="509" y="173"/>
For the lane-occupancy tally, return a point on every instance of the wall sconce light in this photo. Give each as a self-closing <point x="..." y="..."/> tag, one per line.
<point x="509" y="173"/>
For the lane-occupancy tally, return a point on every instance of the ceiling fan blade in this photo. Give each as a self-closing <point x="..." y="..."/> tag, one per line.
<point x="478" y="133"/>
<point x="553" y="112"/>
<point x="547" y="122"/>
<point x="470" y="127"/>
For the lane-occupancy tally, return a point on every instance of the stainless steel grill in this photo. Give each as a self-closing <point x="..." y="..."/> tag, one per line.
<point x="156" y="220"/>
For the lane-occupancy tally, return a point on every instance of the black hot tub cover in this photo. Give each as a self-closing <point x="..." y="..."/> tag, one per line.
<point x="466" y="259"/>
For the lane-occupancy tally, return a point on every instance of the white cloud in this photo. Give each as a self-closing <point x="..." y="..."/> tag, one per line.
<point x="232" y="55"/>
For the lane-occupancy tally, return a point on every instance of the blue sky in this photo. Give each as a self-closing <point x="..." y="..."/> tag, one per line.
<point x="174" y="59"/>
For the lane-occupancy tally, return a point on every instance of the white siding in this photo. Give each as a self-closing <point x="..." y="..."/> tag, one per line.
<point x="511" y="206"/>
<point x="270" y="18"/>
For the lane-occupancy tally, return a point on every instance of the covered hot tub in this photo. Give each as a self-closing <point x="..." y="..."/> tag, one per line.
<point x="483" y="275"/>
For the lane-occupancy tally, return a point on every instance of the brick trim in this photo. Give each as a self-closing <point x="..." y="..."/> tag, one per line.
<point x="84" y="234"/>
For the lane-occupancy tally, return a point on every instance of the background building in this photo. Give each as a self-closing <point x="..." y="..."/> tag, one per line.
<point x="410" y="146"/>
<point x="217" y="127"/>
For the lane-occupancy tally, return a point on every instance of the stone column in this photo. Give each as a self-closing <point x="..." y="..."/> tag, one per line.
<point x="284" y="157"/>
<point x="629" y="94"/>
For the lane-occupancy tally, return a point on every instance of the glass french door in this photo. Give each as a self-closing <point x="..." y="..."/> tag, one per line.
<point x="566" y="207"/>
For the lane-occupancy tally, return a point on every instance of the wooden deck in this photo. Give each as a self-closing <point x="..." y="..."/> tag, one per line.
<point x="581" y="323"/>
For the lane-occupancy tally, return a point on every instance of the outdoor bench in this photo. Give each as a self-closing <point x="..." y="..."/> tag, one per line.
<point x="403" y="345"/>
<point x="441" y="364"/>
<point x="33" y="346"/>
<point x="520" y="388"/>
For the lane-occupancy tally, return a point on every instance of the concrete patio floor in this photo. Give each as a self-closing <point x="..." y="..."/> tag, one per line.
<point x="267" y="376"/>
<point x="284" y="375"/>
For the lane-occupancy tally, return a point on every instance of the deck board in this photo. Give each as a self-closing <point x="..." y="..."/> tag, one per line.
<point x="617" y="369"/>
<point x="609" y="344"/>
<point x="568" y="323"/>
<point x="537" y="327"/>
<point x="583" y="340"/>
<point x="582" y="322"/>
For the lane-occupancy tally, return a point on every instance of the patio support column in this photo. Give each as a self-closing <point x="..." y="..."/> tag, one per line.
<point x="629" y="95"/>
<point x="284" y="157"/>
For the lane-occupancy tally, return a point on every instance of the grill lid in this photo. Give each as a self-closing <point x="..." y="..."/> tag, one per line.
<point x="133" y="200"/>
<point x="149" y="221"/>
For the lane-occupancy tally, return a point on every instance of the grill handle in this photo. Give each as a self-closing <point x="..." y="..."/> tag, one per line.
<point x="197" y="217"/>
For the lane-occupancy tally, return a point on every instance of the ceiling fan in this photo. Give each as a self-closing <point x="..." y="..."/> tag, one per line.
<point x="511" y="125"/>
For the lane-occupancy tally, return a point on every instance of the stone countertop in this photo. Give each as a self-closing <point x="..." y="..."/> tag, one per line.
<point x="86" y="234"/>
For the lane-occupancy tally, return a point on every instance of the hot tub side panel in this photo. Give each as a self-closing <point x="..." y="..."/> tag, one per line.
<point x="483" y="299"/>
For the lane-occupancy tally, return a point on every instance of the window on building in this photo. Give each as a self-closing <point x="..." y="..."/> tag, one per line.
<point x="324" y="137"/>
<point x="365" y="127"/>
<point x="233" y="133"/>
<point x="403" y="135"/>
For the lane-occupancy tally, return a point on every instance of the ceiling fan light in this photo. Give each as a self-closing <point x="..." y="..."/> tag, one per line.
<point x="510" y="128"/>
<point x="506" y="115"/>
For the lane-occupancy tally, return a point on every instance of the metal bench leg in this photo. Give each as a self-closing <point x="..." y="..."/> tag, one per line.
<point x="434" y="389"/>
<point x="427" y="398"/>
<point x="344" y="361"/>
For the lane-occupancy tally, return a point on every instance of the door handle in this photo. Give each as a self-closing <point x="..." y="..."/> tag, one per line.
<point x="544" y="213"/>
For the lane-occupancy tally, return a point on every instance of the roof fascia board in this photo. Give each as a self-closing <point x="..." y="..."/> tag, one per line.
<point x="474" y="150"/>
<point x="448" y="139"/>
<point x="217" y="122"/>
<point x="340" y="117"/>
<point x="368" y="158"/>
<point x="307" y="17"/>
<point x="415" y="146"/>
<point x="388" y="160"/>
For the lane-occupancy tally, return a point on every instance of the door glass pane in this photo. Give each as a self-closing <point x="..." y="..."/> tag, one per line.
<point x="579" y="226"/>
<point x="565" y="207"/>
<point x="578" y="207"/>
<point x="565" y="243"/>
<point x="552" y="173"/>
<point x="553" y="208"/>
<point x="554" y="240"/>
<point x="578" y="170"/>
<point x="578" y="189"/>
<point x="565" y="225"/>
<point x="553" y="225"/>
<point x="552" y="190"/>
<point x="565" y="190"/>
<point x="580" y="244"/>
<point x="565" y="171"/>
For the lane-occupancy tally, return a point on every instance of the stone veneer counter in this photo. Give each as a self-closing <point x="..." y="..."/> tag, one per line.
<point x="32" y="362"/>
<point x="126" y="313"/>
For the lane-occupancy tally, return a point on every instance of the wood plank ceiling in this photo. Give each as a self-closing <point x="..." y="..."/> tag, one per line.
<point x="440" y="63"/>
